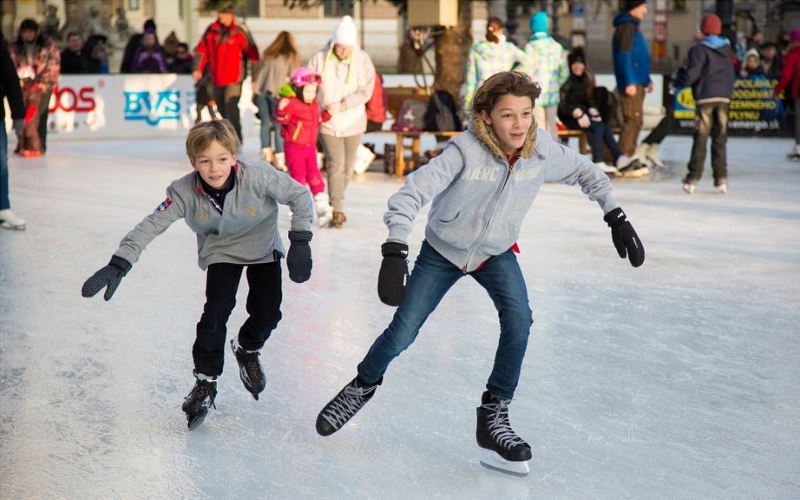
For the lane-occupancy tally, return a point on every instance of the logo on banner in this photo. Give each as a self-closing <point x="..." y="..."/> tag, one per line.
<point x="69" y="99"/>
<point x="152" y="108"/>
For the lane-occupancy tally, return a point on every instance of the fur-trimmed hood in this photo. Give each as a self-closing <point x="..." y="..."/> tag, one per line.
<point x="486" y="135"/>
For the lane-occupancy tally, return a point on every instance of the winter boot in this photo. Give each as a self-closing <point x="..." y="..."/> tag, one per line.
<point x="323" y="207"/>
<point x="250" y="370"/>
<point x="267" y="155"/>
<point x="345" y="405"/>
<point x="502" y="449"/>
<point x="10" y="220"/>
<point x="197" y="402"/>
<point x="280" y="162"/>
<point x="338" y="219"/>
<point x="364" y="158"/>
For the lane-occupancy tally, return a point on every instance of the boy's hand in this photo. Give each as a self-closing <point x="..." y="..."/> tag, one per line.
<point x="299" y="258"/>
<point x="624" y="237"/>
<point x="393" y="276"/>
<point x="109" y="276"/>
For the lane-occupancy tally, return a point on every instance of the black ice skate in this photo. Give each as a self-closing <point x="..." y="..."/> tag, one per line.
<point x="344" y="406"/>
<point x="199" y="400"/>
<point x="502" y="449"/>
<point x="250" y="370"/>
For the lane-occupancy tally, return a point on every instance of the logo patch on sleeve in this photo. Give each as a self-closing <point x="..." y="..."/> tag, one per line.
<point x="164" y="204"/>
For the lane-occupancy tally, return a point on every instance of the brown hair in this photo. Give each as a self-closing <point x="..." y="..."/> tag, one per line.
<point x="284" y="46"/>
<point x="492" y="25"/>
<point x="500" y="84"/>
<point x="204" y="133"/>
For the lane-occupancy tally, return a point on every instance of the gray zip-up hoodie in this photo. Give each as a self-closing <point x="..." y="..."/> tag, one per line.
<point x="479" y="200"/>
<point x="246" y="232"/>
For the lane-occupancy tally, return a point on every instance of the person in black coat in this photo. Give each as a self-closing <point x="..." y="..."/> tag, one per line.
<point x="579" y="110"/>
<point x="10" y="90"/>
<point x="73" y="61"/>
<point x="134" y="42"/>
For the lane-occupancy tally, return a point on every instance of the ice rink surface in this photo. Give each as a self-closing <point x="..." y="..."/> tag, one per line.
<point x="679" y="379"/>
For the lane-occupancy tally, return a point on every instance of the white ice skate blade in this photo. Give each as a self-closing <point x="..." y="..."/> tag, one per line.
<point x="13" y="227"/>
<point x="491" y="460"/>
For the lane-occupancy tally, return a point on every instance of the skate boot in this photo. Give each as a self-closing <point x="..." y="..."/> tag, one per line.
<point x="631" y="166"/>
<point x="689" y="186"/>
<point x="250" y="370"/>
<point x="267" y="155"/>
<point x="196" y="404"/>
<point x="722" y="186"/>
<point x="323" y="208"/>
<point x="605" y="167"/>
<point x="652" y="155"/>
<point x="501" y="448"/>
<point x="10" y="220"/>
<point x="795" y="154"/>
<point x="344" y="406"/>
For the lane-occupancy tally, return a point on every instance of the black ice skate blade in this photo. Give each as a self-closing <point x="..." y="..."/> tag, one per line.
<point x="194" y="422"/>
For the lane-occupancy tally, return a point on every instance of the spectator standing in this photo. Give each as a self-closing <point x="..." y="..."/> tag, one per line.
<point x="96" y="52"/>
<point x="790" y="82"/>
<point x="72" y="60"/>
<point x="183" y="62"/>
<point x="546" y="63"/>
<point x="632" y="72"/>
<point x="9" y="90"/>
<point x="277" y="63"/>
<point x="711" y="75"/>
<point x="770" y="61"/>
<point x="37" y="62"/>
<point x="348" y="80"/>
<point x="150" y="56"/>
<point x="134" y="42"/>
<point x="489" y="57"/>
<point x="223" y="47"/>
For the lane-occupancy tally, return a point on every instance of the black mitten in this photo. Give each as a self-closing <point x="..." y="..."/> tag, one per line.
<point x="299" y="258"/>
<point x="393" y="276"/>
<point x="624" y="237"/>
<point x="109" y="277"/>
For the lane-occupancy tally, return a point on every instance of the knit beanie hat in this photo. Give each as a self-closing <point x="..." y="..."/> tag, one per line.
<point x="711" y="24"/>
<point x="628" y="5"/>
<point x="576" y="55"/>
<point x="345" y="32"/>
<point x="539" y="22"/>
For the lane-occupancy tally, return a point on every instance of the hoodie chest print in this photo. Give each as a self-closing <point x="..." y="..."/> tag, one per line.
<point x="525" y="174"/>
<point x="490" y="173"/>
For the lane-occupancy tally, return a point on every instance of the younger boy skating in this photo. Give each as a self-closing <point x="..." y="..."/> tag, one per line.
<point x="481" y="188"/>
<point x="232" y="205"/>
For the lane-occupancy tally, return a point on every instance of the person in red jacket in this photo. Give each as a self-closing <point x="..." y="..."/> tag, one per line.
<point x="299" y="114"/>
<point x="224" y="46"/>
<point x="790" y="80"/>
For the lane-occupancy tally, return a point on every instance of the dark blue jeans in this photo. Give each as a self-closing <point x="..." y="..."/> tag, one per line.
<point x="431" y="278"/>
<point x="599" y="134"/>
<point x="266" y="110"/>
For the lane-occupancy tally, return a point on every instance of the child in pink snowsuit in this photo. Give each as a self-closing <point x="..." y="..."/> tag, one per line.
<point x="300" y="116"/>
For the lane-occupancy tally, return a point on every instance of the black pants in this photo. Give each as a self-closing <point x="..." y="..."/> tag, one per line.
<point x="44" y="114"/>
<point x="227" y="98"/>
<point x="711" y="120"/>
<point x="263" y="307"/>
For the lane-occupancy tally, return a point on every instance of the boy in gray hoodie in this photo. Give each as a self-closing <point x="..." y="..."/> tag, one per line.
<point x="481" y="188"/>
<point x="232" y="205"/>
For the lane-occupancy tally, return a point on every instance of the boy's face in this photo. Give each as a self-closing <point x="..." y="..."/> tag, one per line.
<point x="214" y="164"/>
<point x="511" y="118"/>
<point x="309" y="93"/>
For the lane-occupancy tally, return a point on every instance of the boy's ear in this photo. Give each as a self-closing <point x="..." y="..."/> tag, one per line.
<point x="486" y="118"/>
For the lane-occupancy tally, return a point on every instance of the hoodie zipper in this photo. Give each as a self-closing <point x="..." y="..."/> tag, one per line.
<point x="509" y="171"/>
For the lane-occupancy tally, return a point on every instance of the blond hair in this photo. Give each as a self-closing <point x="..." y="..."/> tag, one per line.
<point x="203" y="134"/>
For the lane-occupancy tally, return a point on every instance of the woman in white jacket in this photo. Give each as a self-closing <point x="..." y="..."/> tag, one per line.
<point x="348" y="78"/>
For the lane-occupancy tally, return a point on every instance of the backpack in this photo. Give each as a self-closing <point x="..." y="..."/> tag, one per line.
<point x="441" y="112"/>
<point x="411" y="117"/>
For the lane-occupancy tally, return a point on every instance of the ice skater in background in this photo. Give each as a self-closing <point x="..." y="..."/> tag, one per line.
<point x="300" y="116"/>
<point x="481" y="188"/>
<point x="232" y="205"/>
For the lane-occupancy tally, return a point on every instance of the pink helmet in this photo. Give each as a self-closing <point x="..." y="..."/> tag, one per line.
<point x="303" y="76"/>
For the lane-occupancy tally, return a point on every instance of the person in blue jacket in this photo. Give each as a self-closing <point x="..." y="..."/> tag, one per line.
<point x="632" y="70"/>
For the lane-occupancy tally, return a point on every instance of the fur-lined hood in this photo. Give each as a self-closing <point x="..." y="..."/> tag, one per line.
<point x="486" y="135"/>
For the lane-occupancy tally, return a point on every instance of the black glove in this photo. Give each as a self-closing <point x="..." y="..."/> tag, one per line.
<point x="624" y="237"/>
<point x="19" y="125"/>
<point x="393" y="276"/>
<point x="109" y="276"/>
<point x="299" y="258"/>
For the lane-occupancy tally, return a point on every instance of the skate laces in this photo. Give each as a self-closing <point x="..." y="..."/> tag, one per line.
<point x="499" y="426"/>
<point x="250" y="361"/>
<point x="347" y="404"/>
<point x="204" y="389"/>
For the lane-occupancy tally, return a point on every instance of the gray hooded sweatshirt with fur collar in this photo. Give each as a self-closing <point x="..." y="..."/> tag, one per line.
<point x="246" y="232"/>
<point x="479" y="200"/>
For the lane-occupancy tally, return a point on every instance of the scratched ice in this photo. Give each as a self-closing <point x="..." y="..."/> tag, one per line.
<point x="676" y="380"/>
